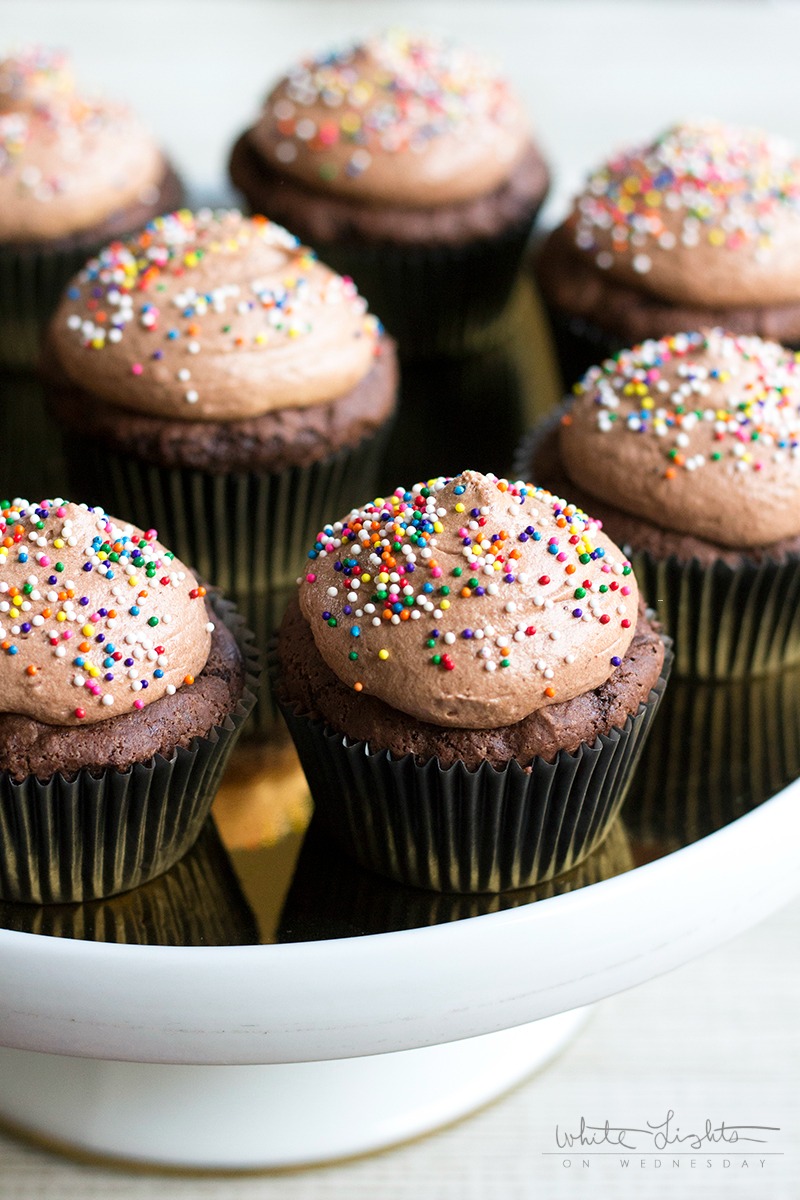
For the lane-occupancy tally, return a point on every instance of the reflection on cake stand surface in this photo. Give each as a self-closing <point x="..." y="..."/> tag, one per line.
<point x="269" y="1003"/>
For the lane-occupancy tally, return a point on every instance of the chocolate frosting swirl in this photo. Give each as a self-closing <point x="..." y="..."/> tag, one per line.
<point x="66" y="162"/>
<point x="213" y="316"/>
<point x="469" y="602"/>
<point x="96" y="618"/>
<point x="699" y="433"/>
<point x="399" y="119"/>
<point x="707" y="214"/>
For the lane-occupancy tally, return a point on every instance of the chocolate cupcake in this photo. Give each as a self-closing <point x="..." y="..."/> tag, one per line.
<point x="699" y="228"/>
<point x="121" y="693"/>
<point x="409" y="164"/>
<point x="468" y="677"/>
<point x="212" y="375"/>
<point x="687" y="449"/>
<point x="75" y="172"/>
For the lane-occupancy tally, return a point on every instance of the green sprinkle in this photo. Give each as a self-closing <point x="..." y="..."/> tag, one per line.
<point x="152" y="621"/>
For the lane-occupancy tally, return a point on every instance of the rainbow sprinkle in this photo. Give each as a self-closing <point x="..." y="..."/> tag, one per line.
<point x="698" y="183"/>
<point x="707" y="397"/>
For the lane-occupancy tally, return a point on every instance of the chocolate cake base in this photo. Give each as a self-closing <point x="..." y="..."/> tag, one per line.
<point x="321" y="217"/>
<point x="273" y="441"/>
<point x="307" y="684"/>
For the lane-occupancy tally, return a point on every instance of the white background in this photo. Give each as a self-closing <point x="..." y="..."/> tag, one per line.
<point x="719" y="1038"/>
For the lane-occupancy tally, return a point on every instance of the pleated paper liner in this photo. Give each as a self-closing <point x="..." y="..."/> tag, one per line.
<point x="448" y="408"/>
<point x="716" y="751"/>
<point x="455" y="830"/>
<point x="198" y="902"/>
<point x="248" y="533"/>
<point x="438" y="299"/>
<point x="331" y="896"/>
<point x="579" y="345"/>
<point x="95" y="835"/>
<point x="32" y="462"/>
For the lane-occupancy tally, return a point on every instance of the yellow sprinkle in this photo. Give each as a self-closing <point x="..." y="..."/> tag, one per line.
<point x="383" y="577"/>
<point x="59" y="543"/>
<point x="61" y="616"/>
<point x="366" y="578"/>
<point x="459" y="508"/>
<point x="438" y="527"/>
<point x="444" y="604"/>
<point x="384" y="654"/>
<point x="87" y="630"/>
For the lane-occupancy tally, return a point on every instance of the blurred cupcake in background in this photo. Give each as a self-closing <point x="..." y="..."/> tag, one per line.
<point x="688" y="451"/>
<point x="211" y="376"/>
<point x="75" y="172"/>
<point x="701" y="227"/>
<point x="408" y="162"/>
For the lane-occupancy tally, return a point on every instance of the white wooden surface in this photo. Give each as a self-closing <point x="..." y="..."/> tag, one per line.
<point x="720" y="1037"/>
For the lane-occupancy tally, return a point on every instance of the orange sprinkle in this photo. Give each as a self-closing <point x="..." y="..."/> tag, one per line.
<point x="188" y="680"/>
<point x="31" y="670"/>
<point x="570" y="569"/>
<point x="669" y="473"/>
<point x="549" y="691"/>
<point x="358" y="687"/>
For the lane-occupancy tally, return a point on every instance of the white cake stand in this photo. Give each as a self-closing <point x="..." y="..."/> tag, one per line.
<point x="282" y="1055"/>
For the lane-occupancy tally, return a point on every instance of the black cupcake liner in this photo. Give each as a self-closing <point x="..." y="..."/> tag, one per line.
<point x="579" y="345"/>
<point x="31" y="282"/>
<point x="198" y="902"/>
<point x="97" y="834"/>
<point x="455" y="830"/>
<point x="332" y="897"/>
<point x="248" y="533"/>
<point x="727" y="622"/>
<point x="438" y="299"/>
<point x="716" y="751"/>
<point x="32" y="462"/>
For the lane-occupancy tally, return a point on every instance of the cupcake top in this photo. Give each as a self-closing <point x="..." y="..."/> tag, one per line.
<point x="96" y="618"/>
<point x="66" y="162"/>
<point x="707" y="214"/>
<point x="213" y="316"/>
<point x="469" y="602"/>
<point x="401" y="119"/>
<point x="698" y="433"/>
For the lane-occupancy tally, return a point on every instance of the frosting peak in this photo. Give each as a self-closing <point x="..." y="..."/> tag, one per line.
<point x="707" y="214"/>
<point x="699" y="433"/>
<point x="96" y="619"/>
<point x="400" y="118"/>
<point x="469" y="602"/>
<point x="213" y="316"/>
